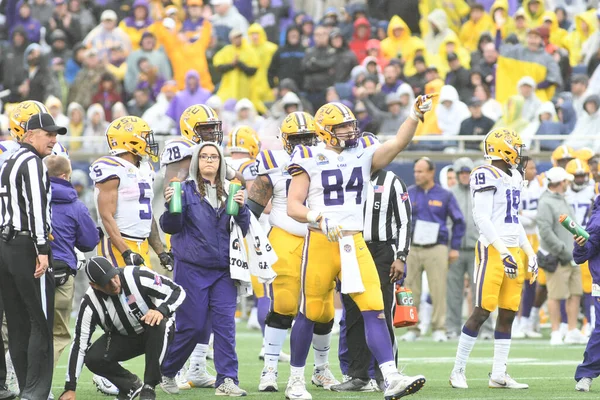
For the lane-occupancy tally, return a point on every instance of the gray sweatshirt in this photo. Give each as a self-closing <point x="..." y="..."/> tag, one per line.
<point x="555" y="239"/>
<point x="464" y="200"/>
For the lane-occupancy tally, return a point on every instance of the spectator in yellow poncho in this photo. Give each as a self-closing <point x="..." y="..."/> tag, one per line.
<point x="478" y="23"/>
<point x="521" y="25"/>
<point x="451" y="44"/>
<point x="137" y="23"/>
<point x="501" y="20"/>
<point x="557" y="34"/>
<point x="261" y="90"/>
<point x="430" y="124"/>
<point x="534" y="12"/>
<point x="399" y="40"/>
<point x="586" y="23"/>
<point x="455" y="10"/>
<point x="418" y="50"/>
<point x="237" y="63"/>
<point x="512" y="118"/>
<point x="186" y="55"/>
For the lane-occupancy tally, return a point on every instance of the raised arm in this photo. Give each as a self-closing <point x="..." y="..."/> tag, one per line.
<point x="386" y="153"/>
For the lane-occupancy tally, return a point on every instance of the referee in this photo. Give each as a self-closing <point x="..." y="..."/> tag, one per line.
<point x="387" y="219"/>
<point x="134" y="306"/>
<point x="27" y="290"/>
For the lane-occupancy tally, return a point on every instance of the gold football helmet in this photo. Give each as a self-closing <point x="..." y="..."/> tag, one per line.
<point x="19" y="116"/>
<point x="244" y="140"/>
<point x="562" y="155"/>
<point x="200" y="123"/>
<point x="581" y="173"/>
<point x="298" y="128"/>
<point x="584" y="154"/>
<point x="131" y="135"/>
<point x="504" y="144"/>
<point x="333" y="116"/>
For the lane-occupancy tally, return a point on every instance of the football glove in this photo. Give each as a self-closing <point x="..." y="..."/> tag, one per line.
<point x="421" y="105"/>
<point x="532" y="266"/>
<point x="132" y="258"/>
<point x="510" y="266"/>
<point x="331" y="229"/>
<point x="166" y="260"/>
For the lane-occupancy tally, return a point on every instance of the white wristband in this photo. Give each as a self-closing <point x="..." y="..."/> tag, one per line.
<point x="312" y="216"/>
<point x="501" y="247"/>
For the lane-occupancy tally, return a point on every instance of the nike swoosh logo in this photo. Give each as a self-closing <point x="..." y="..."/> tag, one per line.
<point x="361" y="154"/>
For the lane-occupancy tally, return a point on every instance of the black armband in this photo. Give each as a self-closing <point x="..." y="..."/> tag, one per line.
<point x="256" y="208"/>
<point x="43" y="249"/>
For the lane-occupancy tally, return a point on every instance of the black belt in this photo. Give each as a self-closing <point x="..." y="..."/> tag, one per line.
<point x="8" y="233"/>
<point x="390" y="241"/>
<point x="425" y="246"/>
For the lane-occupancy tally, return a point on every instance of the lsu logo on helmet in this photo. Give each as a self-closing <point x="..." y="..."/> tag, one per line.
<point x="200" y="123"/>
<point x="19" y="116"/>
<point x="333" y="116"/>
<point x="298" y="128"/>
<point x="131" y="135"/>
<point x="244" y="140"/>
<point x="503" y="144"/>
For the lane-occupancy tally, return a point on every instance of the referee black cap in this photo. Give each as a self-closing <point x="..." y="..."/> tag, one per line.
<point x="100" y="271"/>
<point x="46" y="122"/>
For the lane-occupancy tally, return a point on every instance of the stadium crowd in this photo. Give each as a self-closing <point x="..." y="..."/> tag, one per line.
<point x="528" y="66"/>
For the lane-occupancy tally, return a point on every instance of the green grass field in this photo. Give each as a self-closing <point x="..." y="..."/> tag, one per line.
<point x="548" y="371"/>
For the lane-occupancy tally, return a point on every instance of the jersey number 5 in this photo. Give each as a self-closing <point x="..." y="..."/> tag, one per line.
<point x="145" y="201"/>
<point x="513" y="198"/>
<point x="355" y="184"/>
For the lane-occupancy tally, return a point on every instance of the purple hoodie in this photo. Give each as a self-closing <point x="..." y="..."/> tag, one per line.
<point x="32" y="26"/>
<point x="513" y="5"/>
<point x="185" y="98"/>
<point x="130" y="21"/>
<point x="72" y="225"/>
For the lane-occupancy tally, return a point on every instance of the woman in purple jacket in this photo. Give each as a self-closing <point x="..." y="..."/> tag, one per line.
<point x="200" y="245"/>
<point x="589" y="251"/>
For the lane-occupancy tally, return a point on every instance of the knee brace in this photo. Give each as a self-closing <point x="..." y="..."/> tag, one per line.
<point x="323" y="328"/>
<point x="279" y="321"/>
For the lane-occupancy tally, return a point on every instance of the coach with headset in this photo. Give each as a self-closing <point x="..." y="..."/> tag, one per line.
<point x="26" y="277"/>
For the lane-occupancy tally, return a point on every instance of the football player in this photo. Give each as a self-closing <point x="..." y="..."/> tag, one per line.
<point x="496" y="193"/>
<point x="123" y="194"/>
<point x="327" y="191"/>
<point x="287" y="238"/>
<point x="581" y="197"/>
<point x="530" y="195"/>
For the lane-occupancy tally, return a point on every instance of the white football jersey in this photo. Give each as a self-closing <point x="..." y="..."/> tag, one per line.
<point x="135" y="194"/>
<point x="507" y="199"/>
<point x="176" y="150"/>
<point x="8" y="148"/>
<point x="581" y="202"/>
<point x="273" y="164"/>
<point x="246" y="166"/>
<point x="530" y="196"/>
<point x="338" y="181"/>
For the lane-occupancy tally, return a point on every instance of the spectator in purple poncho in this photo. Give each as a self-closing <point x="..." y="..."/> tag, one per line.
<point x="24" y="19"/>
<point x="192" y="94"/>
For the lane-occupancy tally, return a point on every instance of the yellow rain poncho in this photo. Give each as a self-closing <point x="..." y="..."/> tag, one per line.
<point x="534" y="20"/>
<point x="430" y="124"/>
<point x="574" y="40"/>
<point x="261" y="91"/>
<point x="456" y="10"/>
<point x="440" y="59"/>
<point x="235" y="84"/>
<point x="512" y="115"/>
<point x="471" y="31"/>
<point x="557" y="34"/>
<point x="405" y="44"/>
<point x="509" y="25"/>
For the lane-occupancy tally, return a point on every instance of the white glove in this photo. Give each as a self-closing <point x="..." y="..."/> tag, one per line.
<point x="421" y="105"/>
<point x="331" y="229"/>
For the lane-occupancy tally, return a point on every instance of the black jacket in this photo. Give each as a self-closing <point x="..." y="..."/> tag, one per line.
<point x="13" y="73"/>
<point x="461" y="80"/>
<point x="471" y="126"/>
<point x="345" y="61"/>
<point x="287" y="63"/>
<point x="42" y="83"/>
<point x="318" y="66"/>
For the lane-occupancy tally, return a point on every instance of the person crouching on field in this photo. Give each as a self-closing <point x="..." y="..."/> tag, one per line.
<point x="200" y="244"/>
<point x="590" y="251"/>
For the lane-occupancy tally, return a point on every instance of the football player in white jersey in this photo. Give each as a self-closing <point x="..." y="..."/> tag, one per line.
<point x="286" y="237"/>
<point x="496" y="190"/>
<point x="530" y="195"/>
<point x="327" y="191"/>
<point x="580" y="196"/>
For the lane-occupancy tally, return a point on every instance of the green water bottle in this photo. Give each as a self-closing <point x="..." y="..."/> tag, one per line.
<point x="175" y="203"/>
<point x="573" y="226"/>
<point x="232" y="207"/>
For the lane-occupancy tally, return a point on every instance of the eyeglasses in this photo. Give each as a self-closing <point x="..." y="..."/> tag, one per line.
<point x="209" y="158"/>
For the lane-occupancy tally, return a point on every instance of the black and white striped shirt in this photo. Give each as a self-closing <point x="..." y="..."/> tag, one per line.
<point x="25" y="194"/>
<point x="142" y="290"/>
<point x="388" y="212"/>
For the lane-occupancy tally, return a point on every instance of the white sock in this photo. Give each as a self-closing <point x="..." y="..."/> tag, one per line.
<point x="337" y="316"/>
<point x="274" y="339"/>
<point x="321" y="345"/>
<point x="198" y="357"/>
<point x="524" y="323"/>
<point x="387" y="369"/>
<point x="465" y="346"/>
<point x="501" y="350"/>
<point x="535" y="313"/>
<point x="296" y="371"/>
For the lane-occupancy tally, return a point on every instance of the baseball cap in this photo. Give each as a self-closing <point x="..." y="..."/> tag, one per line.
<point x="535" y="31"/>
<point x="463" y="164"/>
<point x="108" y="15"/>
<point x="100" y="271"/>
<point x="452" y="57"/>
<point x="46" y="122"/>
<point x="475" y="102"/>
<point x="558" y="174"/>
<point x="234" y="33"/>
